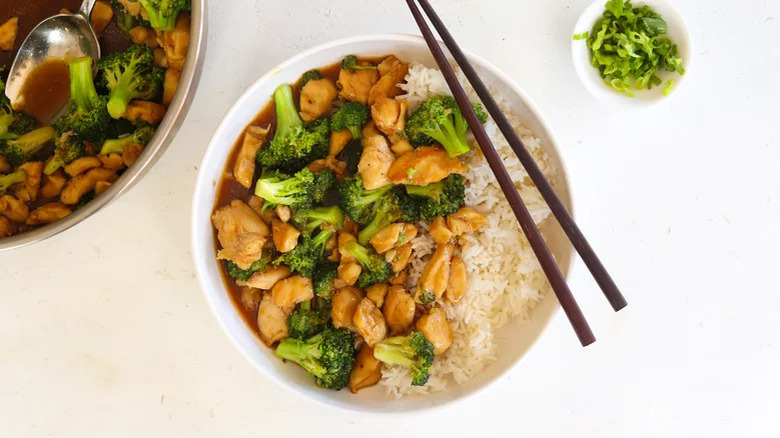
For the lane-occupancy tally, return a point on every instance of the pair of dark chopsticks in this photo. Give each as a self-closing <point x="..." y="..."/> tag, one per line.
<point x="546" y="260"/>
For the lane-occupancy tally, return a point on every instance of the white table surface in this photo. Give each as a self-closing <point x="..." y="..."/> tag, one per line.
<point x="104" y="331"/>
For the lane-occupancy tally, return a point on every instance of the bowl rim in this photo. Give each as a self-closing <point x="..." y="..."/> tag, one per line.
<point x="202" y="181"/>
<point x="643" y="98"/>
<point x="166" y="132"/>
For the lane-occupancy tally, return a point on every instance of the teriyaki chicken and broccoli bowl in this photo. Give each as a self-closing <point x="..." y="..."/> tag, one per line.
<point x="352" y="239"/>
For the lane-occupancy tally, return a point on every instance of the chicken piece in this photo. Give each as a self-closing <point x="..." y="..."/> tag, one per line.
<point x="170" y="82"/>
<point x="28" y="190"/>
<point x="387" y="85"/>
<point x="343" y="307"/>
<point x="423" y="166"/>
<point x="101" y="17"/>
<point x="4" y="166"/>
<point x="149" y="112"/>
<point x="376" y="161"/>
<point x="13" y="208"/>
<point x="369" y="322"/>
<point x="8" y="31"/>
<point x="356" y="85"/>
<point x="399" y="279"/>
<point x="399" y="257"/>
<point x="101" y="186"/>
<point x="81" y="165"/>
<point x="386" y="65"/>
<point x="82" y="184"/>
<point x="283" y="212"/>
<point x="267" y="278"/>
<point x="131" y="153"/>
<point x="244" y="167"/>
<point x="338" y="141"/>
<point x="439" y="231"/>
<point x="392" y="236"/>
<point x="177" y="41"/>
<point x="399" y="309"/>
<point x="389" y="115"/>
<point x="344" y="239"/>
<point x="285" y="236"/>
<point x="377" y="292"/>
<point x="436" y="329"/>
<point x="7" y="228"/>
<point x="399" y="145"/>
<point x="161" y="60"/>
<point x="330" y="162"/>
<point x="250" y="298"/>
<point x="366" y="372"/>
<point x="241" y="233"/>
<point x="316" y="98"/>
<point x="348" y="272"/>
<point x="144" y="36"/>
<point x="435" y="276"/>
<point x="292" y="290"/>
<point x="133" y="8"/>
<point x="111" y="161"/>
<point x="48" y="213"/>
<point x="456" y="287"/>
<point x="271" y="321"/>
<point x="465" y="221"/>
<point x="52" y="184"/>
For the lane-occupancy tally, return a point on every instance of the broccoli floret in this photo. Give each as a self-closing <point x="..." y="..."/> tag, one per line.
<point x="412" y="351"/>
<point x="306" y="322"/>
<point x="351" y="116"/>
<point x="394" y="206"/>
<point x="440" y="198"/>
<point x="306" y="254"/>
<point x="295" y="144"/>
<point x="351" y="63"/>
<point x="69" y="147"/>
<point x="120" y="127"/>
<point x="357" y="202"/>
<point x="87" y="114"/>
<point x="375" y="268"/>
<point x="439" y="120"/>
<point x="6" y="181"/>
<point x="308" y="220"/>
<point x="239" y="274"/>
<point x="20" y="149"/>
<point x="279" y="189"/>
<point x="311" y="75"/>
<point x="130" y="74"/>
<point x="323" y="181"/>
<point x="11" y="121"/>
<point x="163" y="13"/>
<point x="328" y="356"/>
<point x="351" y="155"/>
<point x="142" y="135"/>
<point x="324" y="275"/>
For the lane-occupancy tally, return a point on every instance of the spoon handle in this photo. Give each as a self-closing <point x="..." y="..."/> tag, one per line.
<point x="86" y="8"/>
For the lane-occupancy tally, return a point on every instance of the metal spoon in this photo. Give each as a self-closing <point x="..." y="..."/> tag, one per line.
<point x="63" y="36"/>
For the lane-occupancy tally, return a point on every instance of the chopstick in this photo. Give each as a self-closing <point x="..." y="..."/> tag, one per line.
<point x="597" y="269"/>
<point x="543" y="254"/>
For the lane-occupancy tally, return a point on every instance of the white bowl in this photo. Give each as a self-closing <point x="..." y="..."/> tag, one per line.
<point x="514" y="339"/>
<point x="678" y="32"/>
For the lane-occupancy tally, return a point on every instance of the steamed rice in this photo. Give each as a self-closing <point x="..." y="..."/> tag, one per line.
<point x="505" y="279"/>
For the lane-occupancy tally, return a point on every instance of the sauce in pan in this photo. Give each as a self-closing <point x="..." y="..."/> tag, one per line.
<point x="45" y="91"/>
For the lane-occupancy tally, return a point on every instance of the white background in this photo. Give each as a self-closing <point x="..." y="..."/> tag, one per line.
<point x="104" y="331"/>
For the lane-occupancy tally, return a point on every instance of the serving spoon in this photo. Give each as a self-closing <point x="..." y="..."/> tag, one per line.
<point x="61" y="37"/>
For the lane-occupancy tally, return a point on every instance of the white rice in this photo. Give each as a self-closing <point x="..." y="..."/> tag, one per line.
<point x="505" y="279"/>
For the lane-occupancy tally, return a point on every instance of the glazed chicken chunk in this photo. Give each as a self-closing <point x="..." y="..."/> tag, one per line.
<point x="423" y="166"/>
<point x="244" y="167"/>
<point x="389" y="115"/>
<point x="241" y="233"/>
<point x="356" y="85"/>
<point x="376" y="161"/>
<point x="316" y="99"/>
<point x="271" y="321"/>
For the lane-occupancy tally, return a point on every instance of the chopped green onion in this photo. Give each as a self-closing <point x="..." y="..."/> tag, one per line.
<point x="628" y="50"/>
<point x="668" y="85"/>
